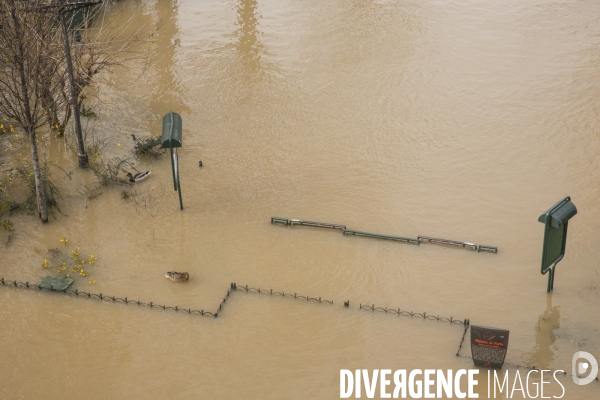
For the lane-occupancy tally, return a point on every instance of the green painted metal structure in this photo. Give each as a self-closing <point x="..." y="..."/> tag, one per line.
<point x="379" y="236"/>
<point x="417" y="241"/>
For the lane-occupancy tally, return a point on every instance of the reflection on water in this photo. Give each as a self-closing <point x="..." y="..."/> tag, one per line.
<point x="248" y="46"/>
<point x="167" y="85"/>
<point x="542" y="354"/>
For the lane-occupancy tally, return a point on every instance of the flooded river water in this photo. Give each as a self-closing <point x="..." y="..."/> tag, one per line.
<point x="463" y="120"/>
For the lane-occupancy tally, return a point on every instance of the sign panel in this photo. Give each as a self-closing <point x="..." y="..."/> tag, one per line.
<point x="556" y="221"/>
<point x="555" y="240"/>
<point x="488" y="346"/>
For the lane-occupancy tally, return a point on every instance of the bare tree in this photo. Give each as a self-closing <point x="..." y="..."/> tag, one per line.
<point x="30" y="72"/>
<point x="112" y="36"/>
<point x="108" y="35"/>
<point x="33" y="73"/>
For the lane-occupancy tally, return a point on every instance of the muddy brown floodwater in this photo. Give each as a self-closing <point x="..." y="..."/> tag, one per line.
<point x="463" y="120"/>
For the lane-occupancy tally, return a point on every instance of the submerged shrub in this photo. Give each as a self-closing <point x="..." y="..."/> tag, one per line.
<point x="148" y="146"/>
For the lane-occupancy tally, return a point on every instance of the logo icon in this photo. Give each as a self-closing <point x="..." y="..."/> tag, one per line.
<point x="580" y="367"/>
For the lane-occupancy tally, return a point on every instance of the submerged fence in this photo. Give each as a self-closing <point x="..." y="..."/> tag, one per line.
<point x="412" y="314"/>
<point x="114" y="299"/>
<point x="418" y="240"/>
<point x="233" y="288"/>
<point x="269" y="292"/>
<point x="272" y="292"/>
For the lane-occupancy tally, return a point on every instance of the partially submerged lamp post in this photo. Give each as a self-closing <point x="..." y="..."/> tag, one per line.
<point x="556" y="220"/>
<point x="171" y="139"/>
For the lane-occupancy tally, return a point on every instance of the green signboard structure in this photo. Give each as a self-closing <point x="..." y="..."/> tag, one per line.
<point x="171" y="139"/>
<point x="556" y="221"/>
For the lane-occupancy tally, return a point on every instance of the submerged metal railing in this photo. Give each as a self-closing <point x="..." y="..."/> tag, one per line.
<point x="233" y="288"/>
<point x="301" y="222"/>
<point x="465" y="245"/>
<point x="316" y="224"/>
<point x="418" y="240"/>
<point x="379" y="236"/>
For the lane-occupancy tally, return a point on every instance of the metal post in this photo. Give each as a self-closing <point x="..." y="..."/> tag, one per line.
<point x="171" y="150"/>
<point x="178" y="182"/>
<point x="551" y="278"/>
<point x="174" y="157"/>
<point x="81" y="155"/>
